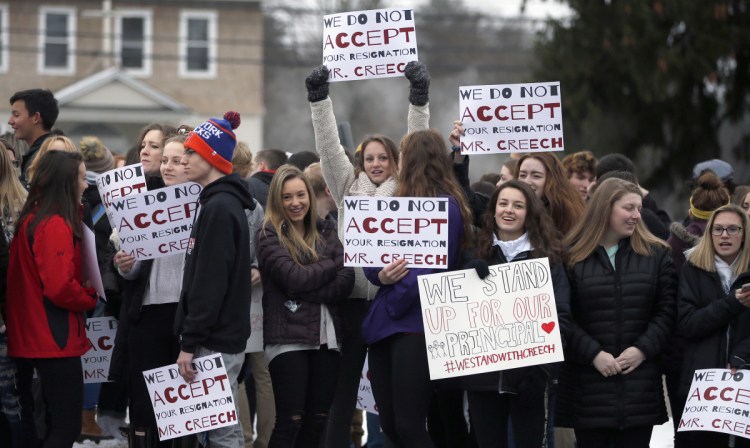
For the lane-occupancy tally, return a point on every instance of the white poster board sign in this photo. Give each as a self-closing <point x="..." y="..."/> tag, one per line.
<point x="511" y="118"/>
<point x="369" y="44"/>
<point x="156" y="223"/>
<point x="187" y="408"/>
<point x="89" y="263"/>
<point x="505" y="321"/>
<point x="718" y="401"/>
<point x="365" y="399"/>
<point x="380" y="230"/>
<point x="119" y="183"/>
<point x="101" y="333"/>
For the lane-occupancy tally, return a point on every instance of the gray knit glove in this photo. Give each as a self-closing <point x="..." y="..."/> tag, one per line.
<point x="419" y="78"/>
<point x="317" y="84"/>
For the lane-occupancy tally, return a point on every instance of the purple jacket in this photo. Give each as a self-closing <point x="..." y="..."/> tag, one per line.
<point x="396" y="307"/>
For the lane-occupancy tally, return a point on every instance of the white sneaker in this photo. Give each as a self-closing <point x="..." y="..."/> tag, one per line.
<point x="111" y="426"/>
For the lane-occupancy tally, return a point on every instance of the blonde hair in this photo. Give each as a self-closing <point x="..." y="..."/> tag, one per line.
<point x="704" y="254"/>
<point x="591" y="229"/>
<point x="242" y="160"/>
<point x="12" y="193"/>
<point x="314" y="174"/>
<point x="302" y="248"/>
<point x="67" y="143"/>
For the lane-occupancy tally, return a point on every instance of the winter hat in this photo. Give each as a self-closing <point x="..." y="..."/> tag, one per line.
<point x="214" y="140"/>
<point x="722" y="169"/>
<point x="96" y="156"/>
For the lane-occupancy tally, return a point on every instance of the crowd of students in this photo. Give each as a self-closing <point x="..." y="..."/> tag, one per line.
<point x="638" y="297"/>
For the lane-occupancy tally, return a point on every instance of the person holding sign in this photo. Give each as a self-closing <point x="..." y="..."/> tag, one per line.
<point x="373" y="173"/>
<point x="713" y="315"/>
<point x="302" y="268"/>
<point x="393" y="327"/>
<point x="515" y="227"/>
<point x="12" y="197"/>
<point x="213" y="314"/>
<point x="152" y="139"/>
<point x="623" y="287"/>
<point x="152" y="291"/>
<point x="46" y="299"/>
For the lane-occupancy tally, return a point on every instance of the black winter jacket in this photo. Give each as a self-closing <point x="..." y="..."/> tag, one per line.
<point x="613" y="309"/>
<point x="325" y="281"/>
<point x="516" y="380"/>
<point x="715" y="325"/>
<point x="214" y="307"/>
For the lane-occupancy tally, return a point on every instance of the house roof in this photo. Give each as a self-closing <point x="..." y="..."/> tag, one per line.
<point x="115" y="89"/>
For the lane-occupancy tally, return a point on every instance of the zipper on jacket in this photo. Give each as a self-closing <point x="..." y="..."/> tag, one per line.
<point x="618" y="333"/>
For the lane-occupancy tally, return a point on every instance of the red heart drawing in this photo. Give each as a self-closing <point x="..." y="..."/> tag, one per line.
<point x="548" y="327"/>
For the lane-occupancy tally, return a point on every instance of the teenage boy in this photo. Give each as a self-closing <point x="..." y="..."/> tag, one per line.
<point x="33" y="113"/>
<point x="216" y="282"/>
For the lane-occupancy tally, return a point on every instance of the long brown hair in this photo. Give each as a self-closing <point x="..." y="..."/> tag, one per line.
<point x="543" y="236"/>
<point x="562" y="200"/>
<point x="54" y="191"/>
<point x="704" y="254"/>
<point x="590" y="230"/>
<point x="302" y="248"/>
<point x="426" y="172"/>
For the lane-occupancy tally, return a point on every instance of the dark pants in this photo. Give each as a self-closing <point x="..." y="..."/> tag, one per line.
<point x="151" y="344"/>
<point x="353" y="353"/>
<point x="401" y="386"/>
<point x="61" y="382"/>
<point x="638" y="437"/>
<point x="489" y="413"/>
<point x="303" y="386"/>
<point x="113" y="399"/>
<point x="445" y="420"/>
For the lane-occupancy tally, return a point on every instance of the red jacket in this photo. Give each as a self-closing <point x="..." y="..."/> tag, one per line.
<point x="46" y="300"/>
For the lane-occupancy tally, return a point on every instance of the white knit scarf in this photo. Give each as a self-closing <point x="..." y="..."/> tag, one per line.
<point x="511" y="249"/>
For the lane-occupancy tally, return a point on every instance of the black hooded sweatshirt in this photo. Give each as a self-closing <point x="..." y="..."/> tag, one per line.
<point x="216" y="282"/>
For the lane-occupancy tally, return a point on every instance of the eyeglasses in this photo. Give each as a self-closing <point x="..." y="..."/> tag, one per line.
<point x="731" y="230"/>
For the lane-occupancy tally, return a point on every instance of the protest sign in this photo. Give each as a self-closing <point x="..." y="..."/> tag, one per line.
<point x="156" y="223"/>
<point x="183" y="408"/>
<point x="511" y="118"/>
<point x="118" y="183"/>
<point x="365" y="399"/>
<point x="718" y="401"/>
<point x="369" y="44"/>
<point x="378" y="231"/>
<point x="101" y="333"/>
<point x="505" y="321"/>
<point x="89" y="264"/>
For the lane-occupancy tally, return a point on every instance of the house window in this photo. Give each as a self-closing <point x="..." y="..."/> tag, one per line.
<point x="133" y="42"/>
<point x="4" y="37"/>
<point x="198" y="44"/>
<point x="57" y="29"/>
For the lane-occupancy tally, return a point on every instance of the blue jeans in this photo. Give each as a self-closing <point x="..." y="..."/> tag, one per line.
<point x="228" y="436"/>
<point x="375" y="436"/>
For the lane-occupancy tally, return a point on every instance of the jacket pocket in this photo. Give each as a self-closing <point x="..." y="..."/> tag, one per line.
<point x="57" y="320"/>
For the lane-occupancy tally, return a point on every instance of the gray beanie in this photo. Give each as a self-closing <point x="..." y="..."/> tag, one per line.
<point x="96" y="156"/>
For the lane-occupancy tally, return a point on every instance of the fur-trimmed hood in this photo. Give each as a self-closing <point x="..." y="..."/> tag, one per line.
<point x="685" y="234"/>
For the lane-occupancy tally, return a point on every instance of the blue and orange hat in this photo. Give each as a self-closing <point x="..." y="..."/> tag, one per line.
<point x="215" y="141"/>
